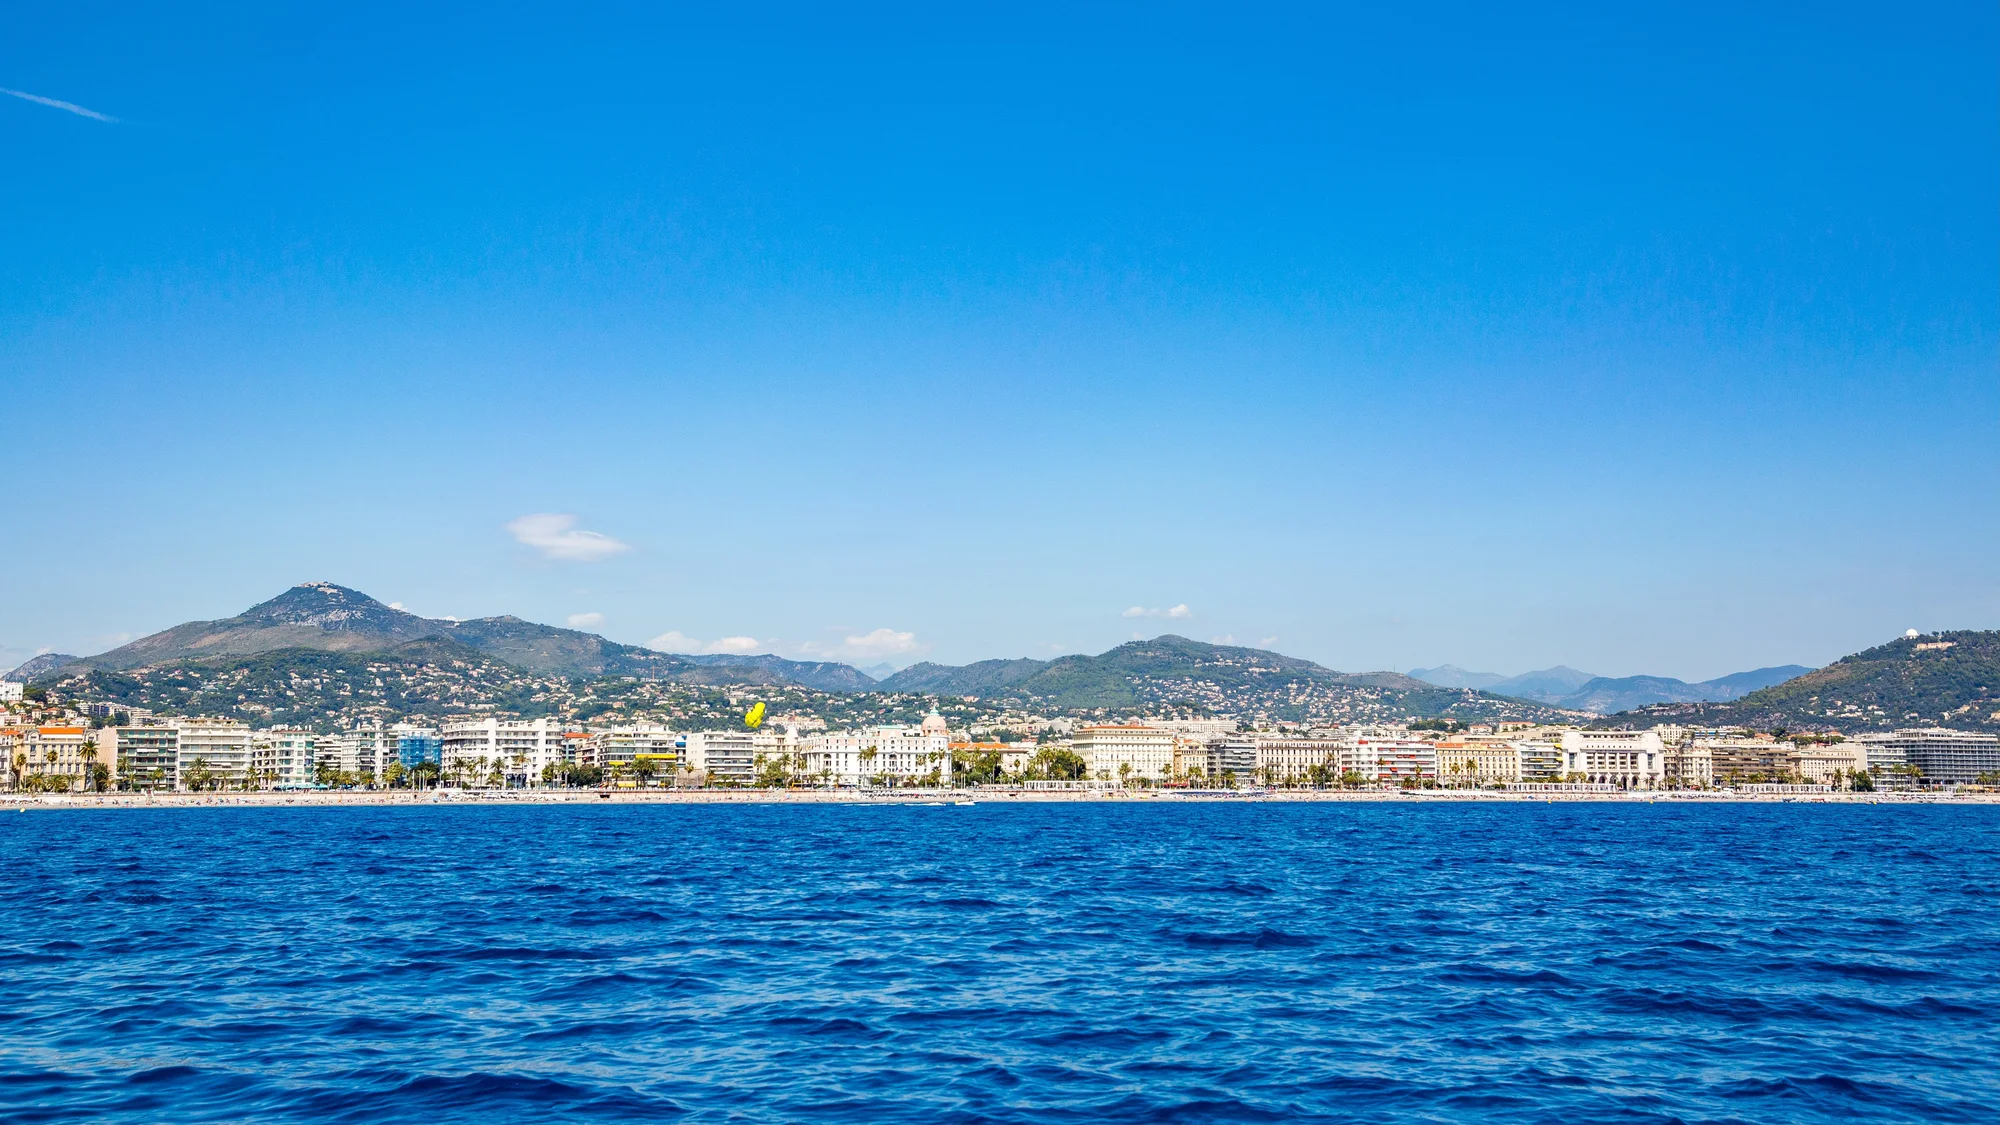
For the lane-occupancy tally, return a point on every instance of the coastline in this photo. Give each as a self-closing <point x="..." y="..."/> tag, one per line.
<point x="599" y="798"/>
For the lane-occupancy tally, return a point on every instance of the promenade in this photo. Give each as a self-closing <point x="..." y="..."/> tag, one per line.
<point x="981" y="796"/>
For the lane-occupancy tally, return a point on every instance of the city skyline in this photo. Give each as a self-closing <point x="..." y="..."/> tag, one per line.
<point x="1637" y="344"/>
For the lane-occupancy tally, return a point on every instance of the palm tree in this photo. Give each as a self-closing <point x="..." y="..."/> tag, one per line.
<point x="89" y="756"/>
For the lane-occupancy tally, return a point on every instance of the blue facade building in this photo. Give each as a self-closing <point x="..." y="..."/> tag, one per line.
<point x="416" y="749"/>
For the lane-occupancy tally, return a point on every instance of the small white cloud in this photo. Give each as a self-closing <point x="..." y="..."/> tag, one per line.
<point x="673" y="640"/>
<point x="881" y="642"/>
<point x="1224" y="639"/>
<point x="1180" y="610"/>
<point x="1266" y="642"/>
<point x="585" y="620"/>
<point x="1136" y="611"/>
<point x="556" y="536"/>
<point x="399" y="605"/>
<point x="1179" y="613"/>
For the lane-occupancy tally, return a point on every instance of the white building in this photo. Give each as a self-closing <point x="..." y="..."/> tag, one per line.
<point x="1690" y="765"/>
<point x="494" y="752"/>
<point x="893" y="754"/>
<point x="219" y="748"/>
<point x="1627" y="759"/>
<point x="10" y="691"/>
<point x="1830" y="763"/>
<point x="1932" y="756"/>
<point x="284" y="757"/>
<point x="1125" y="751"/>
<point x="1389" y="760"/>
<point x="1292" y="761"/>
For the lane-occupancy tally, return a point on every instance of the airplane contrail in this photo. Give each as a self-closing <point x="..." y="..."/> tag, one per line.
<point x="70" y="106"/>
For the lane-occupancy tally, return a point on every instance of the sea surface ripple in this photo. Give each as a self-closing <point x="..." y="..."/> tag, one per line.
<point x="1150" y="961"/>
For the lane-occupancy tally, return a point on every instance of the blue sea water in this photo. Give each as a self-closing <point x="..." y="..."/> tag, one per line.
<point x="1039" y="963"/>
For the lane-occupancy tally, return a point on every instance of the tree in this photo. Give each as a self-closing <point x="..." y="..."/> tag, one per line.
<point x="394" y="775"/>
<point x="100" y="777"/>
<point x="643" y="768"/>
<point x="197" y="776"/>
<point x="1055" y="764"/>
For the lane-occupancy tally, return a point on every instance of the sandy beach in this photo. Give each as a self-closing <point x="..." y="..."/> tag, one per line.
<point x="374" y="798"/>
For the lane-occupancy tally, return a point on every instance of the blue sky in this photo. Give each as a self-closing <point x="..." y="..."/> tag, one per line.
<point x="1662" y="340"/>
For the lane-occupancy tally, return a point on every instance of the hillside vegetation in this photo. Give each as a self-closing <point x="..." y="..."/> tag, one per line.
<point x="1943" y="679"/>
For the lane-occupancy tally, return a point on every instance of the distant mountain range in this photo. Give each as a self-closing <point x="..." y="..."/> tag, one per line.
<point x="1943" y="679"/>
<point x="1568" y="688"/>
<point x="324" y="617"/>
<point x="304" y="651"/>
<point x="254" y="664"/>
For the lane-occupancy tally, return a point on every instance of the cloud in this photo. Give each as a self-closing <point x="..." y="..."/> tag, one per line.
<point x="557" y="537"/>
<point x="585" y="620"/>
<point x="673" y="640"/>
<point x="1179" y="613"/>
<point x="881" y="642"/>
<point x="71" y="107"/>
<point x="872" y="645"/>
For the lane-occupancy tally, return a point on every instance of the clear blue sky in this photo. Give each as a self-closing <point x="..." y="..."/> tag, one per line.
<point x="1659" y="340"/>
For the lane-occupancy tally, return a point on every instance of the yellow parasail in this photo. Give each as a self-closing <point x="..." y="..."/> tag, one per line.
<point x="754" y="717"/>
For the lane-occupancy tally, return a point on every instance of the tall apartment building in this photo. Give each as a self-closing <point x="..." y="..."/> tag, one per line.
<point x="1690" y="765"/>
<point x="1940" y="756"/>
<point x="492" y="752"/>
<point x="1231" y="760"/>
<point x="1389" y="759"/>
<point x="1737" y="758"/>
<point x="145" y="756"/>
<point x="1125" y="751"/>
<point x="220" y="748"/>
<point x="284" y="757"/>
<point x="1627" y="759"/>
<point x="621" y="747"/>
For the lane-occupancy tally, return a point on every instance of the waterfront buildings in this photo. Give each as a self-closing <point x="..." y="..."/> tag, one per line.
<point x="1931" y="756"/>
<point x="284" y="757"/>
<point x="1389" y="759"/>
<point x="214" y="753"/>
<point x="880" y="754"/>
<point x="1294" y="760"/>
<point x="501" y="753"/>
<point x="1626" y="759"/>
<point x="1690" y="765"/>
<point x="1125" y="751"/>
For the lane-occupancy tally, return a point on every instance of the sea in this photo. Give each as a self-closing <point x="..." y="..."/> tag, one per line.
<point x="1063" y="963"/>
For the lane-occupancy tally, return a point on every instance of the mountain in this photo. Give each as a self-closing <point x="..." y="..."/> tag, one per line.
<point x="1944" y="679"/>
<point x="1547" y="685"/>
<point x="435" y="678"/>
<point x="1172" y="672"/>
<point x="1580" y="691"/>
<point x="987" y="677"/>
<point x="39" y="666"/>
<point x="324" y="617"/>
<point x="1451" y="675"/>
<point x="825" y="675"/>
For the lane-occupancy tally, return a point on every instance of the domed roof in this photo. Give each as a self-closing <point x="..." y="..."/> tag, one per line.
<point x="934" y="724"/>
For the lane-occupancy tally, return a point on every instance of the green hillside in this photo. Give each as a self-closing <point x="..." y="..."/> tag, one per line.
<point x="1941" y="679"/>
<point x="1175" y="674"/>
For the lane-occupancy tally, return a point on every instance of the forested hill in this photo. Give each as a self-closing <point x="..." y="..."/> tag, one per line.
<point x="1940" y="679"/>
<point x="1175" y="674"/>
